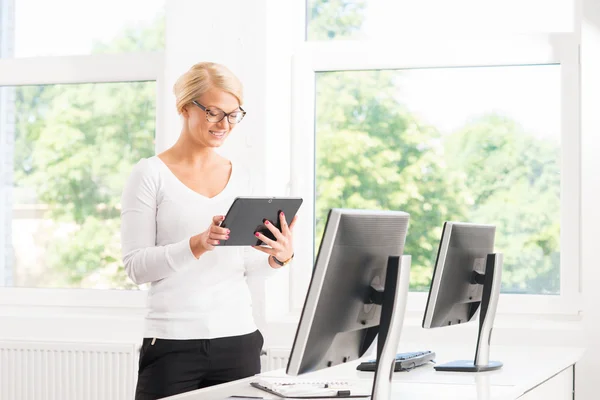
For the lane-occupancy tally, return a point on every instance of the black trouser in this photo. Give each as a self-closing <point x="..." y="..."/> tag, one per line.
<point x="170" y="367"/>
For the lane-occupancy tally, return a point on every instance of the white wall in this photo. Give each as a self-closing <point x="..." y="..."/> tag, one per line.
<point x="587" y="382"/>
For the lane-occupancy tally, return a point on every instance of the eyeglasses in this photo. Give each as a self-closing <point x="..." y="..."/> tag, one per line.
<point x="215" y="114"/>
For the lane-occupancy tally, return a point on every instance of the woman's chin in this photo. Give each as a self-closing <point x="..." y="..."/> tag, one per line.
<point x="210" y="140"/>
<point x="216" y="140"/>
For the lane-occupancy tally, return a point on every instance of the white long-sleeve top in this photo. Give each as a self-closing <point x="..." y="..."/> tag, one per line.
<point x="188" y="298"/>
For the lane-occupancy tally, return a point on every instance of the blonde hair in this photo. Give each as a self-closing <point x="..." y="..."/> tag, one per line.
<point x="200" y="78"/>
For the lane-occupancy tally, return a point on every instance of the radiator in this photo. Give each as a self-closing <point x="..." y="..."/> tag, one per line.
<point x="275" y="358"/>
<point x="66" y="371"/>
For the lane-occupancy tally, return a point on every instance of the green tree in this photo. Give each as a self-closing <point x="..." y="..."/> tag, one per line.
<point x="373" y="154"/>
<point x="513" y="181"/>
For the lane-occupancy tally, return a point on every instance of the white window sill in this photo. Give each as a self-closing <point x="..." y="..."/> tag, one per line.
<point x="511" y="306"/>
<point x="526" y="330"/>
<point x="78" y="298"/>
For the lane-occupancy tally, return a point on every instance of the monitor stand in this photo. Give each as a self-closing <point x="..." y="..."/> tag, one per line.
<point x="491" y="282"/>
<point x="392" y="298"/>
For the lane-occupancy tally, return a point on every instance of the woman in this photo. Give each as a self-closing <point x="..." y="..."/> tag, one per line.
<point x="199" y="330"/>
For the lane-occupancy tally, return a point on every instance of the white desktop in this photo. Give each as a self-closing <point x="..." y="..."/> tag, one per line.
<point x="537" y="373"/>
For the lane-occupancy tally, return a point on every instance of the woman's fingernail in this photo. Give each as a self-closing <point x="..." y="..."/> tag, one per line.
<point x="226" y="237"/>
<point x="267" y="222"/>
<point x="282" y="214"/>
<point x="256" y="234"/>
<point x="228" y="231"/>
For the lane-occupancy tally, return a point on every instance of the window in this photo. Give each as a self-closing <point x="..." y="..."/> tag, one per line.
<point x="408" y="117"/>
<point x="479" y="145"/>
<point x="476" y="130"/>
<point x="77" y="110"/>
<point x="76" y="27"/>
<point x="72" y="149"/>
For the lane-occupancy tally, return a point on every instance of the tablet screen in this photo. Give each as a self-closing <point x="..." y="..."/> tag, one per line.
<point x="247" y="215"/>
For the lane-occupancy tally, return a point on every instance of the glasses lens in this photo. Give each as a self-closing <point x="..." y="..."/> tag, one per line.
<point x="214" y="115"/>
<point x="235" y="117"/>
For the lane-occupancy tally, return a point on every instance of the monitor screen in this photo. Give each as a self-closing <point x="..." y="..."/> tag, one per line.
<point x="338" y="324"/>
<point x="454" y="296"/>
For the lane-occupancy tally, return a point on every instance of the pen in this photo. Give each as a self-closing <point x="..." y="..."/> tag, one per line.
<point x="245" y="397"/>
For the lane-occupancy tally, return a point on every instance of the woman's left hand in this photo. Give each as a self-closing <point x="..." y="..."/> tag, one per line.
<point x="283" y="247"/>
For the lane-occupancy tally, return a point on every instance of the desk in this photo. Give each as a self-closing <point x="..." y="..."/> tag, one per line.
<point x="529" y="373"/>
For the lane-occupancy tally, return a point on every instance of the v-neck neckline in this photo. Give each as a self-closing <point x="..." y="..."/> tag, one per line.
<point x="189" y="189"/>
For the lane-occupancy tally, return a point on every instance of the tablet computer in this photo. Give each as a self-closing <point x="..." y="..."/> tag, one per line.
<point x="246" y="216"/>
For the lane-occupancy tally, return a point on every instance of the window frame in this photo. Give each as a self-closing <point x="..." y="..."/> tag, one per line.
<point x="507" y="50"/>
<point x="80" y="69"/>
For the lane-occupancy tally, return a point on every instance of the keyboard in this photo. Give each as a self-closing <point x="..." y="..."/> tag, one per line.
<point x="301" y="388"/>
<point x="404" y="361"/>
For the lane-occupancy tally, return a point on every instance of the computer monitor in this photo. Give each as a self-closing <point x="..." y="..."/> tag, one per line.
<point x="466" y="277"/>
<point x="357" y="291"/>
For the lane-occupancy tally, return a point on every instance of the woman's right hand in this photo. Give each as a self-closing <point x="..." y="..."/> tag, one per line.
<point x="207" y="240"/>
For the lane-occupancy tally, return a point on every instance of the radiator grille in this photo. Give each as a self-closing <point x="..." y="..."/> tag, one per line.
<point x="66" y="371"/>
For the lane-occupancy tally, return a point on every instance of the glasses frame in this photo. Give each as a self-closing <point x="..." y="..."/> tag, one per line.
<point x="225" y="115"/>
